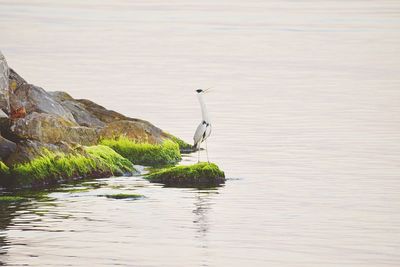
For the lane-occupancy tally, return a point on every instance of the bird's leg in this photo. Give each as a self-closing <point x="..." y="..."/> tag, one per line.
<point x="207" y="152"/>
<point x="198" y="159"/>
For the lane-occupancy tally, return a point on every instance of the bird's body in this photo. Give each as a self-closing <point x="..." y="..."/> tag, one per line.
<point x="203" y="131"/>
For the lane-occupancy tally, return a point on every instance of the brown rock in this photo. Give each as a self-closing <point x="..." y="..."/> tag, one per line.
<point x="140" y="131"/>
<point x="52" y="129"/>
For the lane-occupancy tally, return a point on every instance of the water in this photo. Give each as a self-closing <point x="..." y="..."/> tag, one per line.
<point x="305" y="111"/>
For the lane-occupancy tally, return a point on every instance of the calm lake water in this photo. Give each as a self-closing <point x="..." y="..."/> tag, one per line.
<point x="305" y="110"/>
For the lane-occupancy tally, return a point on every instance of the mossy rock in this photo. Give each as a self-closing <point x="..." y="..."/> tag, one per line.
<point x="125" y="196"/>
<point x="4" y="170"/>
<point x="145" y="154"/>
<point x="198" y="175"/>
<point x="54" y="167"/>
<point x="11" y="199"/>
<point x="183" y="146"/>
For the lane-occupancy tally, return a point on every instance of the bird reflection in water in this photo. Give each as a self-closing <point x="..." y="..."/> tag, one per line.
<point x="203" y="204"/>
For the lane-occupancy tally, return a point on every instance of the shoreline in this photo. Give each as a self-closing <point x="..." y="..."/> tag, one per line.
<point x="49" y="137"/>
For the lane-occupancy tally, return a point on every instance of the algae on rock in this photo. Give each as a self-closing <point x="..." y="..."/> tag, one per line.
<point x="40" y="131"/>
<point x="146" y="154"/>
<point x="55" y="167"/>
<point x="124" y="196"/>
<point x="197" y="175"/>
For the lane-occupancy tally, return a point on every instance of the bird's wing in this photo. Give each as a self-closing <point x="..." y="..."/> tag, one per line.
<point x="208" y="131"/>
<point x="199" y="134"/>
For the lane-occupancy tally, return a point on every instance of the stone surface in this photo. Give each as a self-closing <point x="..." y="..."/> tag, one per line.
<point x="29" y="149"/>
<point x="16" y="81"/>
<point x="6" y="147"/>
<point x="103" y="114"/>
<point x="81" y="115"/>
<point x="52" y="129"/>
<point x="4" y="93"/>
<point x="35" y="99"/>
<point x="140" y="131"/>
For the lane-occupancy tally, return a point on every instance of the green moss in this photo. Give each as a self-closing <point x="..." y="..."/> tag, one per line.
<point x="200" y="174"/>
<point x="51" y="167"/>
<point x="183" y="146"/>
<point x="166" y="153"/>
<point x="109" y="159"/>
<point x="9" y="199"/>
<point x="3" y="169"/>
<point x="124" y="196"/>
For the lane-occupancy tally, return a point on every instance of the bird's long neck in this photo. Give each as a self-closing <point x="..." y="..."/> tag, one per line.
<point x="204" y="112"/>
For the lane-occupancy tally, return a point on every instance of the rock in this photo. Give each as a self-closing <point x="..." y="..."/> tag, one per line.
<point x="82" y="116"/>
<point x="102" y="113"/>
<point x="35" y="99"/>
<point x="4" y="93"/>
<point x="140" y="131"/>
<point x="6" y="147"/>
<point x="3" y="119"/>
<point x="18" y="113"/>
<point x="51" y="167"/>
<point x="16" y="81"/>
<point x="28" y="150"/>
<point x="202" y="174"/>
<point x="49" y="128"/>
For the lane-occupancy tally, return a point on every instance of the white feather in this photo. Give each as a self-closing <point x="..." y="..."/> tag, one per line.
<point x="198" y="135"/>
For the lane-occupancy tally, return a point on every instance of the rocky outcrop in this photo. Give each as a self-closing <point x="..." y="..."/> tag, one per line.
<point x="6" y="146"/>
<point x="4" y="96"/>
<point x="33" y="120"/>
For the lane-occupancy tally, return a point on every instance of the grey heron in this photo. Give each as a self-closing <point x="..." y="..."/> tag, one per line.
<point x="203" y="131"/>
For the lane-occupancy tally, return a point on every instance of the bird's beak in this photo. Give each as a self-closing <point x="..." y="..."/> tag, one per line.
<point x="207" y="90"/>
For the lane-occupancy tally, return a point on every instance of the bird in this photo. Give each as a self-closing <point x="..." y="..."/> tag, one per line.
<point x="203" y="131"/>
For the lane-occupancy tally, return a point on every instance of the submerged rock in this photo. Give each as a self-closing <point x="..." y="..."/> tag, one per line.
<point x="124" y="196"/>
<point x="198" y="175"/>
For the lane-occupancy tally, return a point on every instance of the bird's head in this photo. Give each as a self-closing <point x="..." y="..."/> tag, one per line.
<point x="201" y="91"/>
